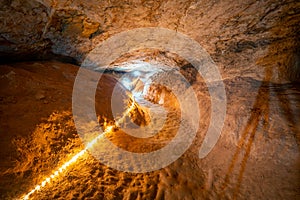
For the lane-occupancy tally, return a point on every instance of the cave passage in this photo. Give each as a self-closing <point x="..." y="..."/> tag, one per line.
<point x="121" y="100"/>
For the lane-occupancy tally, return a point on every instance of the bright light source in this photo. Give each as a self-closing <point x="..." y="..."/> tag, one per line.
<point x="136" y="73"/>
<point x="127" y="83"/>
<point x="78" y="155"/>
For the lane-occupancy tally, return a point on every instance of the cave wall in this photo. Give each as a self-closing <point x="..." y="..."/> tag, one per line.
<point x="258" y="39"/>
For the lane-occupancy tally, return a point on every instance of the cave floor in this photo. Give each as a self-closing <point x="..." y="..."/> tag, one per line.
<point x="257" y="156"/>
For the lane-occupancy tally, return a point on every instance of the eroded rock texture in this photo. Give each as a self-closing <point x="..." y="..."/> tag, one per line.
<point x="259" y="39"/>
<point x="255" y="45"/>
<point x="257" y="155"/>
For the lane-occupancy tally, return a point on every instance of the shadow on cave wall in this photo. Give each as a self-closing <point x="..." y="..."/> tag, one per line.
<point x="287" y="56"/>
<point x="260" y="112"/>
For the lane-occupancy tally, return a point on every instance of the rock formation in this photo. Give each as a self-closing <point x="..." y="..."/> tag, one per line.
<point x="254" y="44"/>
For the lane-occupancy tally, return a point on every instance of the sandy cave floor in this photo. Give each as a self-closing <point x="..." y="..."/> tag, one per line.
<point x="257" y="156"/>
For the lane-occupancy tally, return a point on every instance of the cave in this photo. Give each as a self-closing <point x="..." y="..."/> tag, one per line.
<point x="149" y="100"/>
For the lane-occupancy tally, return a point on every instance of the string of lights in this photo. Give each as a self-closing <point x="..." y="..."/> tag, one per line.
<point x="75" y="158"/>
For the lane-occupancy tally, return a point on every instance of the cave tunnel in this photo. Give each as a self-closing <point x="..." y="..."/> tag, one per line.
<point x="150" y="99"/>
